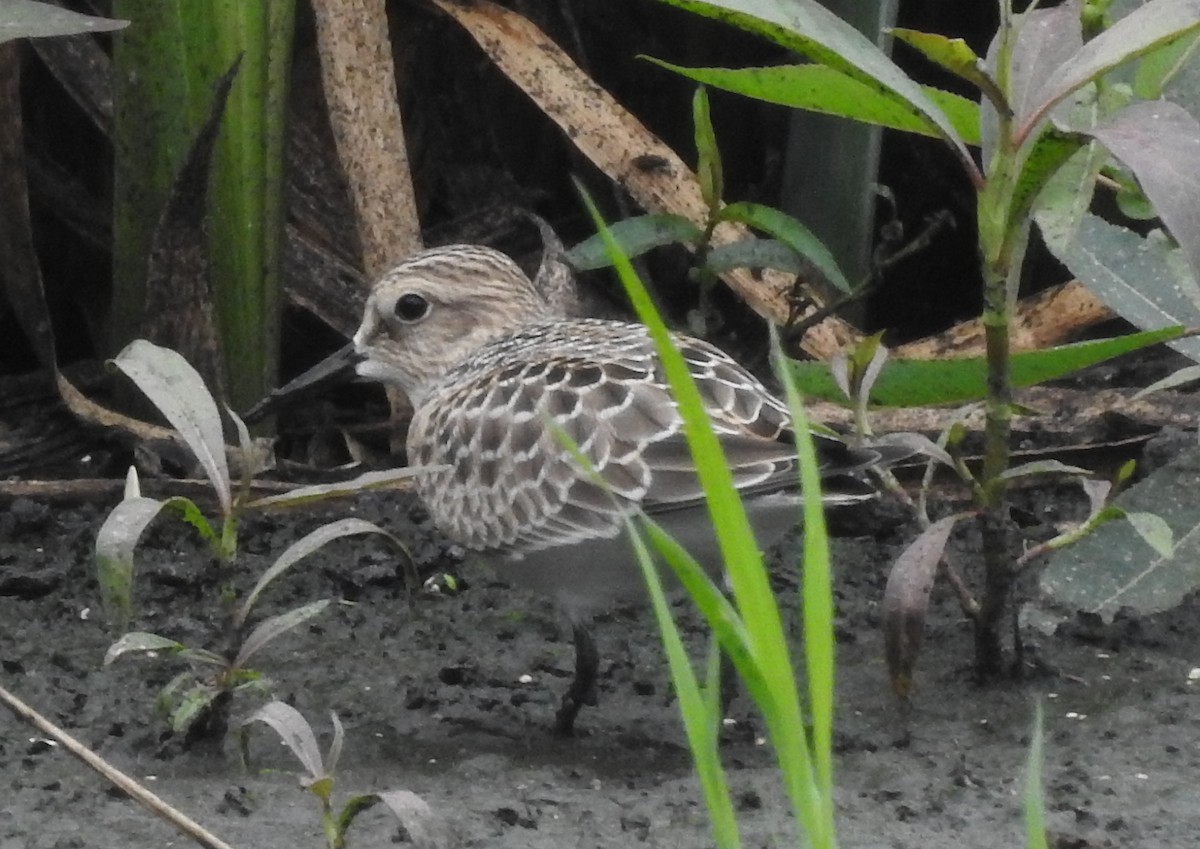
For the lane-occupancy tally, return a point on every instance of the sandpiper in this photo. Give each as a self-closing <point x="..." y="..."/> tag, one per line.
<point x="497" y="373"/>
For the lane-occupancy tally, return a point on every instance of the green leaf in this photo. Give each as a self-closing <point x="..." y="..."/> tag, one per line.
<point x="635" y="236"/>
<point x="1150" y="565"/>
<point x="819" y="88"/>
<point x="921" y="383"/>
<point x="1035" y="802"/>
<point x="192" y="706"/>
<point x="759" y="253"/>
<point x="708" y="164"/>
<point x="1047" y="155"/>
<point x="1159" y="67"/>
<point x="792" y="233"/>
<point x="953" y="54"/>
<point x="807" y="27"/>
<point x="26" y="19"/>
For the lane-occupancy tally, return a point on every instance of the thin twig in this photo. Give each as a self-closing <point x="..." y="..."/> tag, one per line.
<point x="129" y="785"/>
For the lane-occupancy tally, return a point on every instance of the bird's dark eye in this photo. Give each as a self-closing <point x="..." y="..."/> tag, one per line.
<point x="411" y="307"/>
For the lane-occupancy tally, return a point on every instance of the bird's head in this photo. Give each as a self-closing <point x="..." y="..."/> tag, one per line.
<point x="436" y="308"/>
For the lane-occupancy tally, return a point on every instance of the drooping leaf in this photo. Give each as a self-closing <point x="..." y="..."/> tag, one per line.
<point x="175" y="388"/>
<point x="295" y="732"/>
<point x="920" y="383"/>
<point x="819" y="88"/>
<point x="1160" y="143"/>
<point x="636" y="236"/>
<point x="906" y="601"/>
<point x="1116" y="566"/>
<point x="1146" y="281"/>
<point x="792" y="232"/>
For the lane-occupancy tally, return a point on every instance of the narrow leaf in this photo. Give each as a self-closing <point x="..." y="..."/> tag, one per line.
<point x="175" y="388"/>
<point x="116" y="543"/>
<point x="1042" y="467"/>
<point x="141" y="641"/>
<point x="1183" y="377"/>
<point x="921" y="383"/>
<point x="953" y="54"/>
<point x="708" y="155"/>
<point x="304" y="495"/>
<point x="636" y="236"/>
<point x="276" y="626"/>
<point x="792" y="233"/>
<point x="305" y="546"/>
<point x="809" y="28"/>
<point x="295" y="732"/>
<point x="26" y="19"/>
<point x="906" y="601"/>
<point x="819" y="88"/>
<point x="759" y="253"/>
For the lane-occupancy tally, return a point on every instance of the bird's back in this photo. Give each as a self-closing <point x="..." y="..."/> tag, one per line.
<point x="498" y="421"/>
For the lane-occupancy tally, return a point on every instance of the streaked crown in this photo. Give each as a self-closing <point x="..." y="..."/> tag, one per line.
<point x="437" y="307"/>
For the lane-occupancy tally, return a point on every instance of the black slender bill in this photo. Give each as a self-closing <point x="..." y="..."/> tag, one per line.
<point x="336" y="369"/>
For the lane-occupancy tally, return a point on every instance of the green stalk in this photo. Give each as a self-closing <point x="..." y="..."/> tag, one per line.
<point x="165" y="67"/>
<point x="1002" y="238"/>
<point x="151" y="134"/>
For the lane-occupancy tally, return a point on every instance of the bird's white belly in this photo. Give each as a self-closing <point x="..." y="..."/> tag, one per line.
<point x="600" y="574"/>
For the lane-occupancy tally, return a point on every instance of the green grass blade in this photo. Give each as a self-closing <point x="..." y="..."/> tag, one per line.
<point x="772" y="681"/>
<point x="698" y="719"/>
<point x="958" y="380"/>
<point x="817" y="601"/>
<point x="1035" y="805"/>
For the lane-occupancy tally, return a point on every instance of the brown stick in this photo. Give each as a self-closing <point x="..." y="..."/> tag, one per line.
<point x="131" y="786"/>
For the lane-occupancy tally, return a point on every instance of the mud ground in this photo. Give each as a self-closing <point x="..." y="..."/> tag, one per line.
<point x="452" y="697"/>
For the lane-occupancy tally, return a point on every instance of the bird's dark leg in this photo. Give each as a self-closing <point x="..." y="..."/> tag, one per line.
<point x="583" y="688"/>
